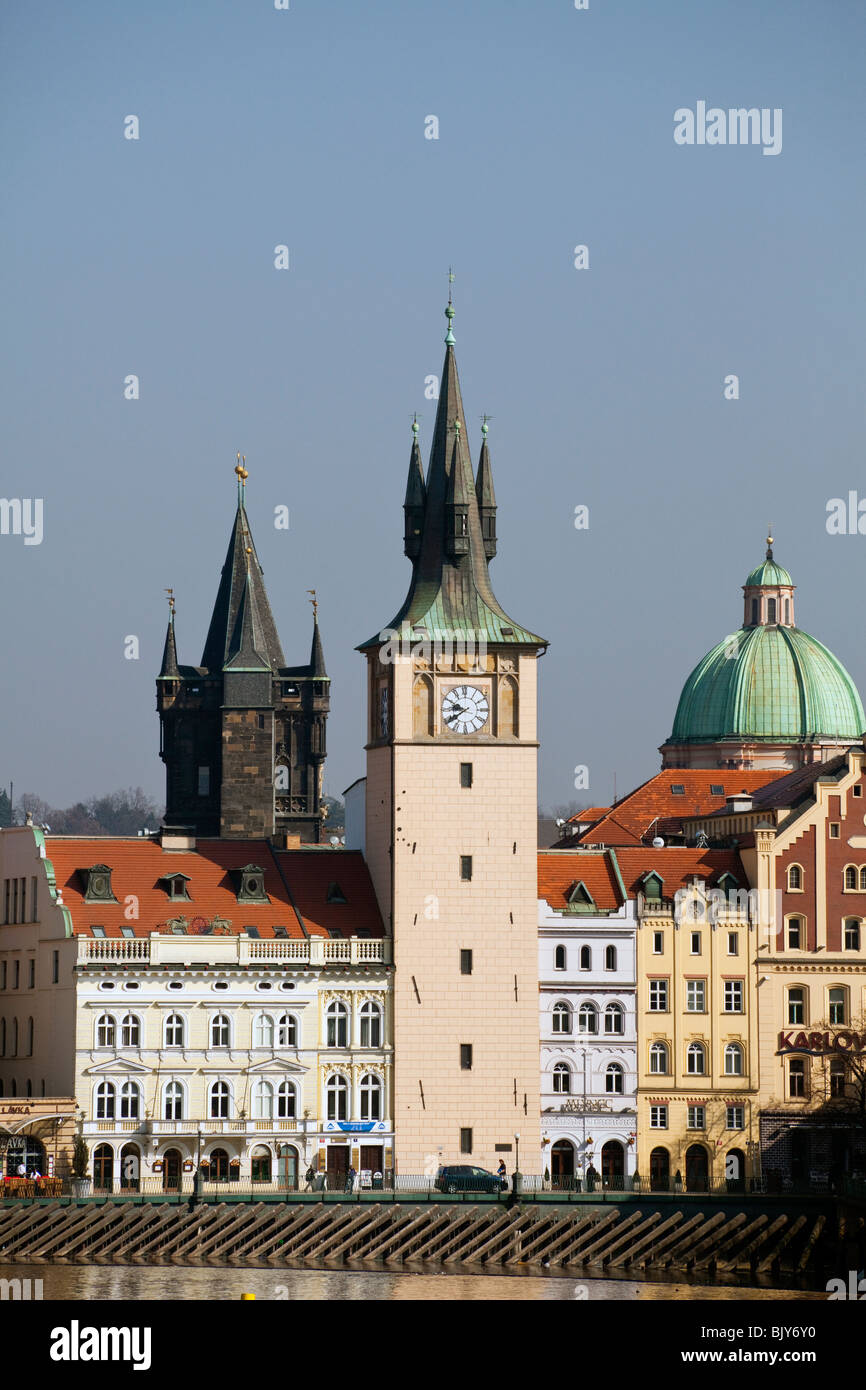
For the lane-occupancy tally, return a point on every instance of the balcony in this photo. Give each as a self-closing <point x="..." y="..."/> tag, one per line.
<point x="216" y="952"/>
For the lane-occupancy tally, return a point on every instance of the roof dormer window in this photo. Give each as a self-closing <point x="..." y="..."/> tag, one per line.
<point x="98" y="884"/>
<point x="335" y="894"/>
<point x="251" y="884"/>
<point x="175" y="887"/>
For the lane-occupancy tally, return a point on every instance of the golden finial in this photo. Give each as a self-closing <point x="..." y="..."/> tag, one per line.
<point x="241" y="468"/>
<point x="170" y="593"/>
<point x="769" y="542"/>
<point x="315" y="602"/>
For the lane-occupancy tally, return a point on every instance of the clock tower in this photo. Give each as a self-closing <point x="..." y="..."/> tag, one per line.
<point x="451" y="815"/>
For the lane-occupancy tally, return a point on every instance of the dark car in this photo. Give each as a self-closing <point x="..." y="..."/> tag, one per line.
<point x="464" y="1178"/>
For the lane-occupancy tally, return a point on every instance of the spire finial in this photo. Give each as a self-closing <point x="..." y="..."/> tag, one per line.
<point x="414" y="432"/>
<point x="769" y="542"/>
<point x="449" y="311"/>
<point x="315" y="602"/>
<point x="484" y="425"/>
<point x="241" y="470"/>
<point x="170" y="593"/>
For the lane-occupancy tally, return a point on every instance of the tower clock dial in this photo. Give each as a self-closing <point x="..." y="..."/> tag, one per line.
<point x="465" y="709"/>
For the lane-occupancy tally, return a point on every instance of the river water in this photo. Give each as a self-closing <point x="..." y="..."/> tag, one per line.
<point x="99" y="1283"/>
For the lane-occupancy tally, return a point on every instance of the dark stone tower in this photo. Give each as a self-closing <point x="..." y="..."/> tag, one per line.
<point x="243" y="735"/>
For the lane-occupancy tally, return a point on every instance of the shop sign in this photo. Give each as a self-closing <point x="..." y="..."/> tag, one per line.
<point x="821" y="1044"/>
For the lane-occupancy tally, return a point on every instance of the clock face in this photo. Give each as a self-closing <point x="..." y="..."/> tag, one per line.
<point x="465" y="709"/>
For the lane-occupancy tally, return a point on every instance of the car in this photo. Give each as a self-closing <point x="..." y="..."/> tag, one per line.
<point x="463" y="1177"/>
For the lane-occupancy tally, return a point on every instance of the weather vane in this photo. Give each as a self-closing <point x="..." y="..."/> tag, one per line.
<point x="170" y="593"/>
<point x="315" y="602"/>
<point x="241" y="468"/>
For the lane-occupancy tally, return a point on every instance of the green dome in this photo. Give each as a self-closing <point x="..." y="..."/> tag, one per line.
<point x="768" y="572"/>
<point x="782" y="685"/>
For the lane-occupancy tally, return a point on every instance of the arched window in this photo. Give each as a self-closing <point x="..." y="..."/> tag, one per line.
<point x="614" y="1019"/>
<point x="371" y="1025"/>
<point x="105" y="1031"/>
<point x="796" y="1004"/>
<point x="787" y="610"/>
<point x="659" y="1059"/>
<point x="838" y="1077"/>
<point x="130" y="1101"/>
<point x="287" y="1031"/>
<point x="263" y="1033"/>
<point x="836" y="1002"/>
<point x="263" y="1100"/>
<point x="585" y="958"/>
<point x="610" y="958"/>
<point x="587" y="1019"/>
<point x="220" y="1100"/>
<point x="862" y="878"/>
<point x="338" y="1025"/>
<point x="851" y="877"/>
<point x="561" y="1079"/>
<point x="613" y="1079"/>
<point x="220" y="1031"/>
<point x="561" y="1018"/>
<point x="130" y="1031"/>
<point x="733" y="1060"/>
<point x="559" y="958"/>
<point x="852" y="934"/>
<point x="174" y="1031"/>
<point x="371" y="1097"/>
<point x="105" y="1096"/>
<point x="2" y="1037"/>
<point x="287" y="1101"/>
<point x="796" y="934"/>
<point x="173" y="1101"/>
<point x="337" y="1091"/>
<point x="14" y="1037"/>
<point x="771" y="610"/>
<point x="795" y="877"/>
<point x="30" y="1037"/>
<point x="696" y="1059"/>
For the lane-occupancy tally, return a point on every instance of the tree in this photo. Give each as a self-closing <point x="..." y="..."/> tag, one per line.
<point x="114" y="813"/>
<point x="839" y="1086"/>
<point x="80" y="1157"/>
<point x="5" y="810"/>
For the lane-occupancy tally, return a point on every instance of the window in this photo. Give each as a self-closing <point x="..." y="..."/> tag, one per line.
<point x="287" y="1030"/>
<point x="733" y="1060"/>
<point x="659" y="1059"/>
<point x="795" y="933"/>
<point x="834" y="830"/>
<point x="173" y="1101"/>
<point x="559" y="958"/>
<point x="337" y="1028"/>
<point x="696" y="996"/>
<point x="862" y="878"/>
<point x="851" y="878"/>
<point x="204" y="781"/>
<point x="30" y="1037"/>
<point x="796" y="1078"/>
<point x="17" y="983"/>
<point x="465" y="1056"/>
<point x="796" y="1004"/>
<point x="174" y="1031"/>
<point x="466" y="1141"/>
<point x="795" y="878"/>
<point x="105" y="1095"/>
<point x="105" y="1033"/>
<point x="465" y="962"/>
<point x="836" y="1005"/>
<point x="371" y="1025"/>
<point x="287" y="1101"/>
<point x="561" y="1018"/>
<point x="130" y="1031"/>
<point x="696" y="1059"/>
<point x="716" y="789"/>
<point x="678" y="789"/>
<point x="587" y="1019"/>
<point x="31" y="974"/>
<point x="2" y="1039"/>
<point x="735" y="1117"/>
<point x="658" y="1117"/>
<point x="466" y="774"/>
<point x="733" y="943"/>
<point x="130" y="1101"/>
<point x="466" y="867"/>
<point x="561" y="1079"/>
<point x="695" y="947"/>
<point x="337" y="1091"/>
<point x="263" y="1100"/>
<point x="837" y="1078"/>
<point x="658" y="943"/>
<point x="857" y="791"/>
<point x="3" y="973"/>
<point x="610" y="958"/>
<point x="220" y="1031"/>
<point x="263" y="1032"/>
<point x="733" y="996"/>
<point x="771" y="610"/>
<point x="371" y="1097"/>
<point x="658" y="996"/>
<point x="613" y="1079"/>
<point x="755" y="612"/>
<point x="585" y="958"/>
<point x="697" y="1117"/>
<point x="614" y="1019"/>
<point x="219" y="1100"/>
<point x="852" y="934"/>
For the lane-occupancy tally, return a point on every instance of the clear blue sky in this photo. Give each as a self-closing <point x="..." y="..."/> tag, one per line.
<point x="306" y="127"/>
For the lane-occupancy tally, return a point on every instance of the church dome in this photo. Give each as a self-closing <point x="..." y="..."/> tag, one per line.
<point x="768" y="573"/>
<point x="769" y="683"/>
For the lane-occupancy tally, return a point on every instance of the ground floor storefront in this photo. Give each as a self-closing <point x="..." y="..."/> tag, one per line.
<point x="803" y="1148"/>
<point x="579" y="1147"/>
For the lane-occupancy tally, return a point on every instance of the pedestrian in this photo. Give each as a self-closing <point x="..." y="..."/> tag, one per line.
<point x="308" y="1179"/>
<point x="350" y="1179"/>
<point x="22" y="1171"/>
<point x="35" y="1175"/>
<point x="502" y="1172"/>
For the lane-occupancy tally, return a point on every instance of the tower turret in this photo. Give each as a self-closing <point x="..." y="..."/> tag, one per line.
<point x="485" y="496"/>
<point x="416" y="495"/>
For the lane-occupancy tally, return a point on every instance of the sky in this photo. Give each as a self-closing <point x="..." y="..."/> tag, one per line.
<point x="307" y="128"/>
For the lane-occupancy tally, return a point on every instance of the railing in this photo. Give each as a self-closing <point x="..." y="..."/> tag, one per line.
<point x="104" y="949"/>
<point x="228" y="950"/>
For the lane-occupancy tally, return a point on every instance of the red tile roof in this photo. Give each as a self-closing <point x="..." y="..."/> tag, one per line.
<point x="140" y="866"/>
<point x="653" y="809"/>
<point x="559" y="869"/>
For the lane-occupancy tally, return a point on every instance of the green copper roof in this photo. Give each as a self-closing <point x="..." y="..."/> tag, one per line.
<point x="768" y="572"/>
<point x="773" y="683"/>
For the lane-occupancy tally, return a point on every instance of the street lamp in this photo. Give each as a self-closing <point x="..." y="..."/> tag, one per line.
<point x="516" y="1181"/>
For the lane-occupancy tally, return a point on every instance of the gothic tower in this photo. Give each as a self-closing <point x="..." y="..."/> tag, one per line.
<point x="242" y="735"/>
<point x="451" y="813"/>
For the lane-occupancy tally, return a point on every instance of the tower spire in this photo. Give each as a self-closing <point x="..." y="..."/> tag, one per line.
<point x="169" y="670"/>
<point x="416" y="496"/>
<point x="317" y="655"/>
<point x="485" y="495"/>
